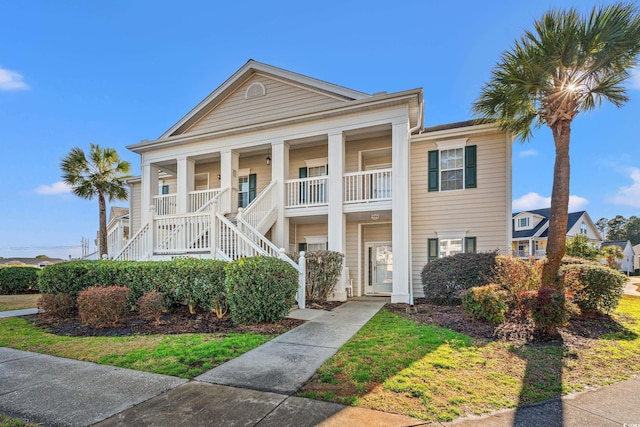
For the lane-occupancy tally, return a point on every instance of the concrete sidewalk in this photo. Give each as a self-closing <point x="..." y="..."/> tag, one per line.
<point x="285" y="363"/>
<point x="16" y="313"/>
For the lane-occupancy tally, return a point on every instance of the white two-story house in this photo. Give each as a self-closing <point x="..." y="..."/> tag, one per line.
<point x="273" y="161"/>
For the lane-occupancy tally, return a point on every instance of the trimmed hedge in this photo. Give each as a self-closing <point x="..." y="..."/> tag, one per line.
<point x="595" y="288"/>
<point x="100" y="307"/>
<point x="18" y="279"/>
<point x="260" y="289"/>
<point x="57" y="306"/>
<point x="195" y="282"/>
<point x="445" y="278"/>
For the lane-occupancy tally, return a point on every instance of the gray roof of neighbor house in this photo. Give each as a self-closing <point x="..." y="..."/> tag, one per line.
<point x="619" y="243"/>
<point x="117" y="212"/>
<point x="573" y="218"/>
<point x="30" y="261"/>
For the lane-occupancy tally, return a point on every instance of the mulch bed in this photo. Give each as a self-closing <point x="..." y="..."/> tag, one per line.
<point x="581" y="331"/>
<point x="178" y="321"/>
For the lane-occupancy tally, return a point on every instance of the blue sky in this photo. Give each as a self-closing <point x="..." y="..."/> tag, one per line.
<point x="116" y="72"/>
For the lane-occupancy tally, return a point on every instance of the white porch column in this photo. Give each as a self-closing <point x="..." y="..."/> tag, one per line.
<point x="401" y="211"/>
<point x="149" y="189"/>
<point x="229" y="164"/>
<point x="336" y="218"/>
<point x="532" y="252"/>
<point x="279" y="174"/>
<point x="186" y="170"/>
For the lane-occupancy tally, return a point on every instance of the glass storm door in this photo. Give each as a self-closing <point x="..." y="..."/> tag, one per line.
<point x="380" y="268"/>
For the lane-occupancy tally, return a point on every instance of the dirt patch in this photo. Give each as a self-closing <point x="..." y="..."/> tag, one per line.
<point x="581" y="331"/>
<point x="179" y="321"/>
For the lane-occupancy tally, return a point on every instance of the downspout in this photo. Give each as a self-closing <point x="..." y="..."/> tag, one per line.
<point x="419" y="125"/>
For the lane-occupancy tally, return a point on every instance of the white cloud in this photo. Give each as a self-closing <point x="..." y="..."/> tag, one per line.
<point x="535" y="201"/>
<point x="635" y="78"/>
<point x="528" y="153"/>
<point x="629" y="195"/>
<point x="10" y="80"/>
<point x="55" y="188"/>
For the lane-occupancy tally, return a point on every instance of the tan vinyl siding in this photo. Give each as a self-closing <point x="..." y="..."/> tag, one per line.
<point x="300" y="231"/>
<point x="480" y="212"/>
<point x="135" y="212"/>
<point x="298" y="157"/>
<point x="258" y="165"/>
<point x="171" y="182"/>
<point x="281" y="100"/>
<point x="213" y="169"/>
<point x="354" y="148"/>
<point x="351" y="254"/>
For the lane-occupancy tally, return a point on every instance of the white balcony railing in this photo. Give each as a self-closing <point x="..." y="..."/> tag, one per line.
<point x="199" y="198"/>
<point x="182" y="233"/>
<point x="304" y="192"/>
<point x="165" y="204"/>
<point x="539" y="253"/>
<point x="367" y="186"/>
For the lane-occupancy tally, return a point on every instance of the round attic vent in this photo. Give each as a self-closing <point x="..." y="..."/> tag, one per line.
<point x="255" y="90"/>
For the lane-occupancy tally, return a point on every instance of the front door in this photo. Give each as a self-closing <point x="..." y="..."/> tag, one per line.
<point x="380" y="266"/>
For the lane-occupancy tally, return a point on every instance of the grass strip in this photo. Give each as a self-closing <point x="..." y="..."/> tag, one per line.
<point x="18" y="302"/>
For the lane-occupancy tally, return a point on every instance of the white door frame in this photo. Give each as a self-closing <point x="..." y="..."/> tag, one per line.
<point x="367" y="265"/>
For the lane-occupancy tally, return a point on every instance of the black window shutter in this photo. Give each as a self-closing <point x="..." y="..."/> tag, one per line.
<point x="302" y="247"/>
<point x="302" y="173"/>
<point x="470" y="245"/>
<point x="433" y="249"/>
<point x="433" y="170"/>
<point x="252" y="187"/>
<point x="165" y="189"/>
<point x="470" y="167"/>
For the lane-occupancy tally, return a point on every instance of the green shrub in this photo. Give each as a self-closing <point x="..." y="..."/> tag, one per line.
<point x="18" y="279"/>
<point x="151" y="305"/>
<point x="570" y="260"/>
<point x="198" y="282"/>
<point x="260" y="289"/>
<point x="595" y="288"/>
<point x="100" y="307"/>
<point x="486" y="302"/>
<point x="581" y="246"/>
<point x="443" y="279"/>
<point x="324" y="269"/>
<point x="549" y="308"/>
<point x="57" y="306"/>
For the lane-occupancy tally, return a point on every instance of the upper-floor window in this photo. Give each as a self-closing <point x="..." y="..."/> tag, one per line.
<point x="452" y="168"/>
<point x="523" y="222"/>
<point x="583" y="228"/>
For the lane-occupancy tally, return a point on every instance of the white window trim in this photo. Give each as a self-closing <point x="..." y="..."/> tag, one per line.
<point x="455" y="234"/>
<point x="314" y="163"/>
<point x="452" y="143"/>
<point x="316" y="240"/>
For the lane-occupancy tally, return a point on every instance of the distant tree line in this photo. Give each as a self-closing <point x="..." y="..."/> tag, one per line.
<point x="620" y="228"/>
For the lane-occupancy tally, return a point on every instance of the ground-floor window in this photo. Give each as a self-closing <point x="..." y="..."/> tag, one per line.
<point x="440" y="248"/>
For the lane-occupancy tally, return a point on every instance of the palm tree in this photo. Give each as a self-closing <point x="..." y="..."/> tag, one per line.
<point x="567" y="65"/>
<point x="102" y="174"/>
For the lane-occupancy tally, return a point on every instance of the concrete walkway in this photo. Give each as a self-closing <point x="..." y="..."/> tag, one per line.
<point x="631" y="287"/>
<point x="15" y="313"/>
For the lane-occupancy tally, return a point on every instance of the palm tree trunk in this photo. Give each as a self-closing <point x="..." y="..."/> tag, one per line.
<point x="103" y="224"/>
<point x="558" y="217"/>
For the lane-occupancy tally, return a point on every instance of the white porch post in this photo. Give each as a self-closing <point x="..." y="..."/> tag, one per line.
<point x="336" y="219"/>
<point x="186" y="169"/>
<point x="531" y="250"/>
<point x="229" y="164"/>
<point x="280" y="173"/>
<point x="149" y="189"/>
<point x="401" y="211"/>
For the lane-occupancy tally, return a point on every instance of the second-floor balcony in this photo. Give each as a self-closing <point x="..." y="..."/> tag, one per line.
<point x="167" y="204"/>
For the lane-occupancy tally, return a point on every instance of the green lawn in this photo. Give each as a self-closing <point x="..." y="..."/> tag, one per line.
<point x="185" y="356"/>
<point x="396" y="365"/>
<point x="12" y="422"/>
<point x="17" y="302"/>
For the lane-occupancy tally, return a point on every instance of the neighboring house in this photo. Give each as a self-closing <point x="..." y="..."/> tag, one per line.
<point x="117" y="230"/>
<point x="35" y="262"/>
<point x="531" y="231"/>
<point x="636" y="258"/>
<point x="626" y="263"/>
<point x="273" y="159"/>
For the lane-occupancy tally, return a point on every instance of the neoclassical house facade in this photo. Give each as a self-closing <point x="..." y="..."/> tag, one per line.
<point x="273" y="161"/>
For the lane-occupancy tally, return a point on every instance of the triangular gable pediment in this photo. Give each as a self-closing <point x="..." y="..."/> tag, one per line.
<point x="259" y="93"/>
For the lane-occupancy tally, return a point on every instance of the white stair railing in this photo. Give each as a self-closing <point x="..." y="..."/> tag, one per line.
<point x="233" y="242"/>
<point x="182" y="233"/>
<point x="137" y="248"/>
<point x="200" y="198"/>
<point x="261" y="207"/>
